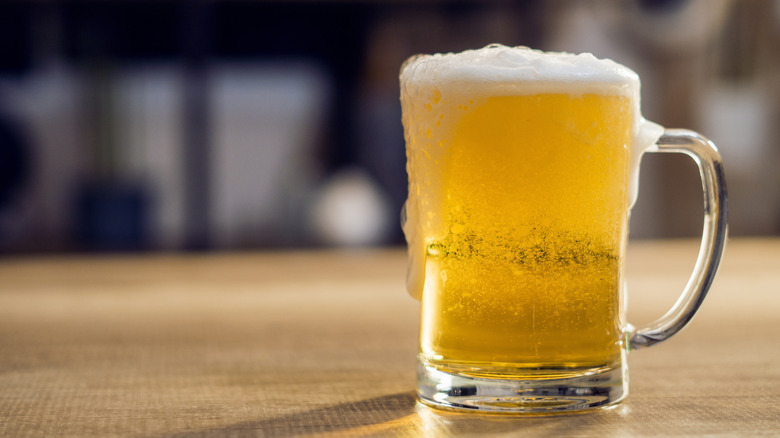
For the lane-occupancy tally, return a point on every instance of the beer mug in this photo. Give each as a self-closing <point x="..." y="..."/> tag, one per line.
<point x="523" y="167"/>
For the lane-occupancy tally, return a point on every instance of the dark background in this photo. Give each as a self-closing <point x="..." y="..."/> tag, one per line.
<point x="221" y="125"/>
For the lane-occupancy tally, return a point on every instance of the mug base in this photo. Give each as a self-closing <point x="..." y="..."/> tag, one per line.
<point x="589" y="389"/>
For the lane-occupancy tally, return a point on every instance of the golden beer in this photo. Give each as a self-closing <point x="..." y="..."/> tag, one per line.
<point x="523" y="166"/>
<point x="520" y="203"/>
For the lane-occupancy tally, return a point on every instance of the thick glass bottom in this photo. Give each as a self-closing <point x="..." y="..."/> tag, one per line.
<point x="580" y="390"/>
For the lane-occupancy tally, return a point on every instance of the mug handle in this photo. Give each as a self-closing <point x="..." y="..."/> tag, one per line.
<point x="706" y="156"/>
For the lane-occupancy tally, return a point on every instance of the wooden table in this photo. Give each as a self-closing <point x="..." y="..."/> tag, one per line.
<point x="323" y="343"/>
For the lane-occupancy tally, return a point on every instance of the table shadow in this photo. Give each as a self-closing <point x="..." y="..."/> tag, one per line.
<point x="356" y="417"/>
<point x="401" y="415"/>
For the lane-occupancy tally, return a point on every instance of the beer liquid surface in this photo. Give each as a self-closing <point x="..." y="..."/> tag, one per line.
<point x="519" y="204"/>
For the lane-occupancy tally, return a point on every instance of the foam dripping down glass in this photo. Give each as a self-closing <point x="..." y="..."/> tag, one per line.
<point x="523" y="166"/>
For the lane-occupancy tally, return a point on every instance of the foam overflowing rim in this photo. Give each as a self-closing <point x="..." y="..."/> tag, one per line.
<point x="521" y="69"/>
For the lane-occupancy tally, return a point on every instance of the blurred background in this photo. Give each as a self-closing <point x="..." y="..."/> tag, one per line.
<point x="225" y="125"/>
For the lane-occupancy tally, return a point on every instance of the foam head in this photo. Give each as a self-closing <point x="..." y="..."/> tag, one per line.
<point x="520" y="70"/>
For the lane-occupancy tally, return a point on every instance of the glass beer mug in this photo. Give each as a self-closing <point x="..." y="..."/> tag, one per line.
<point x="523" y="166"/>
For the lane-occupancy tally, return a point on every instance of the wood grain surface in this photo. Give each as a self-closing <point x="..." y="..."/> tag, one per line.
<point x="323" y="343"/>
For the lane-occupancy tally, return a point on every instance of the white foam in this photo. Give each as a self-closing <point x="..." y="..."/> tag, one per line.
<point x="532" y="69"/>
